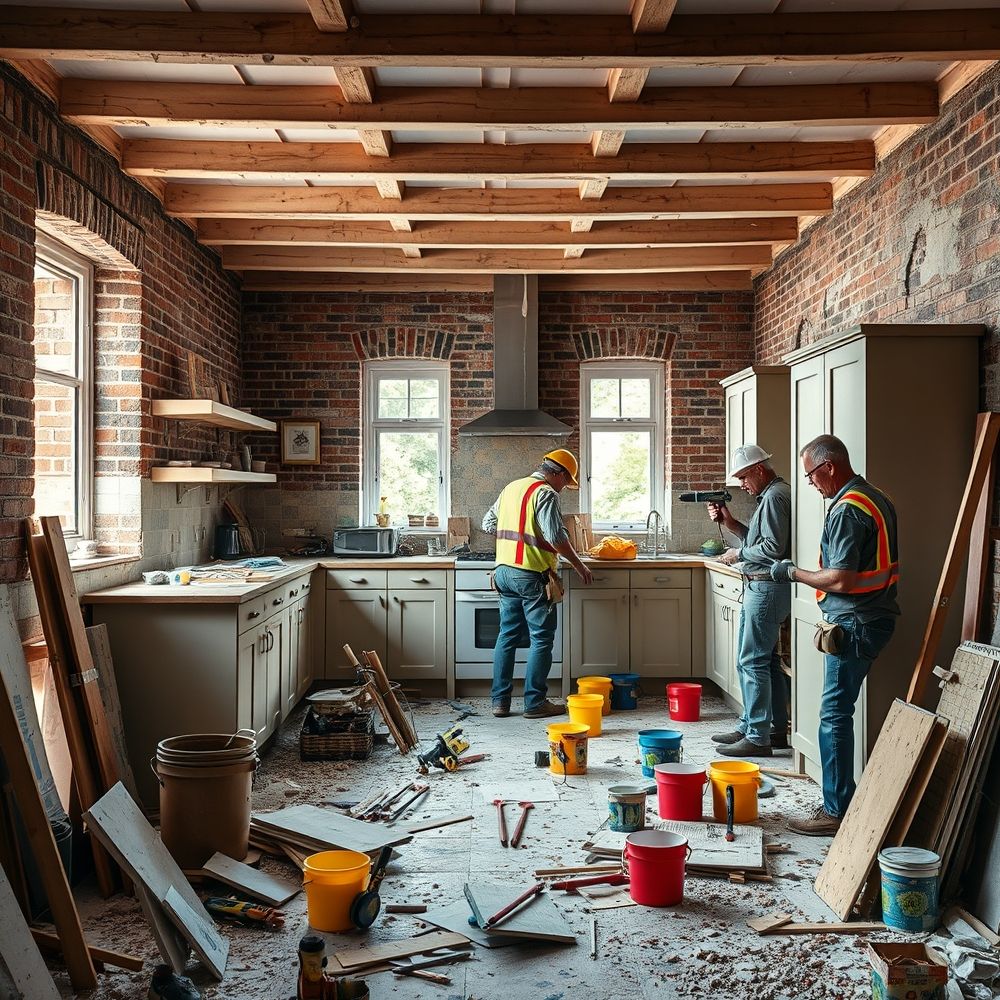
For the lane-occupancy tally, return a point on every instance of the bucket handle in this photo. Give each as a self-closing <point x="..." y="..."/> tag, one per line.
<point x="156" y="774"/>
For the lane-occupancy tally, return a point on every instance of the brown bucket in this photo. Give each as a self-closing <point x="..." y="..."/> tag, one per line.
<point x="205" y="787"/>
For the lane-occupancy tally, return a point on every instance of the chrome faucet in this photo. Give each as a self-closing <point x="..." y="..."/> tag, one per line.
<point x="656" y="531"/>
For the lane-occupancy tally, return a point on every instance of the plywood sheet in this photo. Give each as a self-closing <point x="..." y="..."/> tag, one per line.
<point x="894" y="760"/>
<point x="328" y="830"/>
<point x="538" y="919"/>
<point x="711" y="852"/>
<point x="19" y="955"/>
<point x="455" y="917"/>
<point x="200" y="930"/>
<point x="267" y="888"/>
<point x="356" y="958"/>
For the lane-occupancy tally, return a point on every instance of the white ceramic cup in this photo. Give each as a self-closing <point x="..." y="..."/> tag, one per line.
<point x="86" y="548"/>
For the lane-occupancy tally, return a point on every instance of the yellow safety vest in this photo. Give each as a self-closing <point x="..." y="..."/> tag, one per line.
<point x="519" y="542"/>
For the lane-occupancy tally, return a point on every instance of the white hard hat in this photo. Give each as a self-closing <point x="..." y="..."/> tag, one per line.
<point x="745" y="456"/>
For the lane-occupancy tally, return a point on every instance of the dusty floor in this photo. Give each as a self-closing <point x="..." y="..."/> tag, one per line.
<point x="701" y="948"/>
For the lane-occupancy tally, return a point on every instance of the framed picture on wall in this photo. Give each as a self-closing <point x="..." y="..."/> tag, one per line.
<point x="300" y="442"/>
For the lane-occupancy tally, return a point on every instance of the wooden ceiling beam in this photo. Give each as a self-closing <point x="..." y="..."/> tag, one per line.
<point x="570" y="41"/>
<point x="726" y="201"/>
<point x="460" y="162"/>
<point x="508" y="235"/>
<point x="739" y="258"/>
<point x="329" y="15"/>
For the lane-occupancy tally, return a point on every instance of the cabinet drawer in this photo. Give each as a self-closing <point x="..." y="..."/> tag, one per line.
<point x="603" y="578"/>
<point x="728" y="586"/>
<point x="423" y="579"/>
<point x="676" y="579"/>
<point x="297" y="589"/>
<point x="355" y="579"/>
<point x="252" y="613"/>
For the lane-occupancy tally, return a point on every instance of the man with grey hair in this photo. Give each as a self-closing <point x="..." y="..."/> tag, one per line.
<point x="856" y="590"/>
<point x="766" y="604"/>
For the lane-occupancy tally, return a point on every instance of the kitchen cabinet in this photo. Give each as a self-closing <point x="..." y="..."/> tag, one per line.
<point x="599" y="629"/>
<point x="660" y="632"/>
<point x="359" y="619"/>
<point x="417" y="633"/>
<point x="757" y="412"/>
<point x="899" y="396"/>
<point x="722" y="623"/>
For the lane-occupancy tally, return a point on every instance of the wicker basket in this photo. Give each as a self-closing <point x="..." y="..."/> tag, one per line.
<point x="344" y="737"/>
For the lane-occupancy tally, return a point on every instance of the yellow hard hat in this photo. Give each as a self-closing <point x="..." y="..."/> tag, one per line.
<point x="568" y="461"/>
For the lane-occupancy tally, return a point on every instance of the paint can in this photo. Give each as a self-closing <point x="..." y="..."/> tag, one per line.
<point x="909" y="888"/>
<point x="597" y="685"/>
<point x="680" y="789"/>
<point x="332" y="880"/>
<point x="658" y="746"/>
<point x="586" y="708"/>
<point x="568" y="747"/>
<point x="626" y="808"/>
<point x="684" y="702"/>
<point x="624" y="691"/>
<point x="654" y="861"/>
<point x="745" y="779"/>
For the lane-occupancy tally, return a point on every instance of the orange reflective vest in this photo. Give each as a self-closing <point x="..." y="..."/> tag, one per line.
<point x="883" y="571"/>
<point x="519" y="541"/>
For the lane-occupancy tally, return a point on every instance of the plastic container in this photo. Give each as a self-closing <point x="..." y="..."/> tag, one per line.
<point x="597" y="685"/>
<point x="654" y="861"/>
<point x="332" y="880"/>
<point x="745" y="779"/>
<point x="658" y="746"/>
<point x="910" y="888"/>
<point x="680" y="790"/>
<point x="626" y="808"/>
<point x="205" y="786"/>
<point x="624" y="692"/>
<point x="586" y="709"/>
<point x="684" y="702"/>
<point x="569" y="741"/>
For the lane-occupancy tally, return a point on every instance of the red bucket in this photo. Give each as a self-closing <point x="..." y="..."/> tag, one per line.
<point x="684" y="702"/>
<point x="654" y="861"/>
<point x="679" y="791"/>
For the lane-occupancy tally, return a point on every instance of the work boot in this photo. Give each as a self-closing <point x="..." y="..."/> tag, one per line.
<point x="546" y="710"/>
<point x="745" y="747"/>
<point x="779" y="741"/>
<point x="734" y="737"/>
<point x="166" y="985"/>
<point x="819" y="824"/>
<point x="501" y="709"/>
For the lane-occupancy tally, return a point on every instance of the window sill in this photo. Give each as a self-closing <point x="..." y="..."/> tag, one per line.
<point x="100" y="562"/>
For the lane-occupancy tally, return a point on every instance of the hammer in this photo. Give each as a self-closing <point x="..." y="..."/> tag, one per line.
<point x="519" y="829"/>
<point x="730" y="810"/>
<point x="501" y="821"/>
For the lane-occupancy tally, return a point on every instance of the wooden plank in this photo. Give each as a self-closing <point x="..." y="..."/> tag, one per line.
<point x="329" y="15"/>
<point x="49" y="942"/>
<point x="17" y="721"/>
<point x="769" y="922"/>
<point x="199" y="929"/>
<point x="173" y="948"/>
<point x="208" y="411"/>
<point x="330" y="829"/>
<point x="539" y="919"/>
<point x="848" y="927"/>
<point x="891" y="766"/>
<point x="267" y="888"/>
<point x="19" y="955"/>
<point x="385" y="689"/>
<point x="980" y="551"/>
<point x="373" y="954"/>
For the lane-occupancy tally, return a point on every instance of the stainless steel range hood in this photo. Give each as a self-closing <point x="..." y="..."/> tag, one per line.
<point x="515" y="364"/>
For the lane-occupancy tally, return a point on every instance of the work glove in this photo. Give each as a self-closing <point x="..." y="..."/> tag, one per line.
<point x="783" y="571"/>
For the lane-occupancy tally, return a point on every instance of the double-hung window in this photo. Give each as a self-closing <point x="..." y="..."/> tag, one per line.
<point x="64" y="412"/>
<point x="622" y="442"/>
<point x="406" y="439"/>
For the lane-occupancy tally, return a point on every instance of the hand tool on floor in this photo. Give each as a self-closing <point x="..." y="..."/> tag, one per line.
<point x="245" y="912"/>
<point x="572" y="884"/>
<point x="419" y="792"/>
<point x="366" y="905"/>
<point x="519" y="829"/>
<point x="730" y="810"/>
<point x="434" y="977"/>
<point x="505" y="912"/>
<point x="448" y="747"/>
<point x="472" y="758"/>
<point x="501" y="821"/>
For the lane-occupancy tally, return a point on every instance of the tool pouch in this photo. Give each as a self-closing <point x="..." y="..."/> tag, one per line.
<point x="554" y="589"/>
<point x="828" y="637"/>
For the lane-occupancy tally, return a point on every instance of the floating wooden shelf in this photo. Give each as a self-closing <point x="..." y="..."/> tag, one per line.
<point x="196" y="474"/>
<point x="207" y="411"/>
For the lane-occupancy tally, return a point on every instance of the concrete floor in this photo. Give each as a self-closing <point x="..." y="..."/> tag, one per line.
<point x="701" y="948"/>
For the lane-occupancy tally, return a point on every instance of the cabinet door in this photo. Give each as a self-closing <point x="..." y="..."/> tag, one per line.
<point x="251" y="654"/>
<point x="304" y="662"/>
<point x="290" y="663"/>
<point x="599" y="627"/>
<point x="718" y="641"/>
<point x="733" y="617"/>
<point x="660" y="633"/>
<point x="357" y="618"/>
<point x="418" y="633"/>
<point x="278" y="657"/>
<point x="845" y="399"/>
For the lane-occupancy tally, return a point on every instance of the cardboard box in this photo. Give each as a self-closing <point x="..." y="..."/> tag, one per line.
<point x="907" y="972"/>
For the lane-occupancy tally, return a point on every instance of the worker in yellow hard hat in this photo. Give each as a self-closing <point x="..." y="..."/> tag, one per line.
<point x="530" y="538"/>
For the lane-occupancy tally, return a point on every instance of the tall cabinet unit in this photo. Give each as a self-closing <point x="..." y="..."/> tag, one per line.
<point x="903" y="398"/>
<point x="757" y="412"/>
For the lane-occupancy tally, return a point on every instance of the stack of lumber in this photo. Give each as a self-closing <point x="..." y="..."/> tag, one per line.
<point x="380" y="693"/>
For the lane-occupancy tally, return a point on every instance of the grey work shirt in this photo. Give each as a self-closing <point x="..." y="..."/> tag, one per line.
<point x="769" y="533"/>
<point x="547" y="515"/>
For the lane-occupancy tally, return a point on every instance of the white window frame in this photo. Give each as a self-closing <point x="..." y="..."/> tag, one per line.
<point x="374" y="372"/>
<point x="654" y="371"/>
<point x="58" y="257"/>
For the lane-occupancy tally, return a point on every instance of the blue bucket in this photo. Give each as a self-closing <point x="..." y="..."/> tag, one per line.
<point x="910" y="888"/>
<point x="658" y="746"/>
<point x="624" y="691"/>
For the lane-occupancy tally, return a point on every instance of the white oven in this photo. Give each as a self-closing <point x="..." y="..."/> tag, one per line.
<point x="477" y="625"/>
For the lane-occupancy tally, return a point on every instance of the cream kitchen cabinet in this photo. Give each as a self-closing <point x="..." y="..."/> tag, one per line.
<point x="757" y="412"/>
<point x="722" y="622"/>
<point x="417" y="633"/>
<point x="660" y="632"/>
<point x="900" y="397"/>
<point x="599" y="628"/>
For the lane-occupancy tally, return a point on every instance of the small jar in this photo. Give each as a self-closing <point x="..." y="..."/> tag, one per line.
<point x="431" y="521"/>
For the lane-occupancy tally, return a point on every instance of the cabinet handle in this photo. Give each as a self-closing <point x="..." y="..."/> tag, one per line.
<point x="293" y="593"/>
<point x="253" y="614"/>
<point x="661" y="579"/>
<point x="381" y="600"/>
<point x="635" y="600"/>
<point x="419" y="579"/>
<point x="718" y="586"/>
<point x="306" y="586"/>
<point x="624" y="598"/>
<point x="262" y="643"/>
<point x="270" y="640"/>
<point x="358" y="579"/>
<point x="277" y="601"/>
<point x="302" y="612"/>
<point x="599" y="579"/>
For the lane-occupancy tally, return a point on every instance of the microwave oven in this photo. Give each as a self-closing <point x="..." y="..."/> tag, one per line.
<point x="365" y="542"/>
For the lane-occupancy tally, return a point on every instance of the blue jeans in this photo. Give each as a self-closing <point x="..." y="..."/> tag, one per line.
<point x="762" y="681"/>
<point x="843" y="675"/>
<point x="523" y="605"/>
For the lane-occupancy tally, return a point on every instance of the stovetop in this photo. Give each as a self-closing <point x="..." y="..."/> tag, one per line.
<point x="475" y="560"/>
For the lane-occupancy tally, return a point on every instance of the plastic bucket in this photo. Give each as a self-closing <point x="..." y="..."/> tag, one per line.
<point x="332" y="880"/>
<point x="658" y="746"/>
<point x="909" y="888"/>
<point x="568" y="740"/>
<point x="679" y="791"/>
<point x="745" y="779"/>
<point x="684" y="702"/>
<point x="597" y="685"/>
<point x="205" y="782"/>
<point x="624" y="691"/>
<point x="586" y="708"/>
<point x="654" y="861"/>
<point x="626" y="808"/>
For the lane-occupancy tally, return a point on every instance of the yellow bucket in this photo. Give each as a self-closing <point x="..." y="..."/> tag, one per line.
<point x="745" y="778"/>
<point x="597" y="685"/>
<point x="586" y="708"/>
<point x="332" y="879"/>
<point x="570" y="739"/>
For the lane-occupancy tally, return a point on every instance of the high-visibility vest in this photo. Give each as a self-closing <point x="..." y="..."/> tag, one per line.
<point x="883" y="572"/>
<point x="519" y="542"/>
